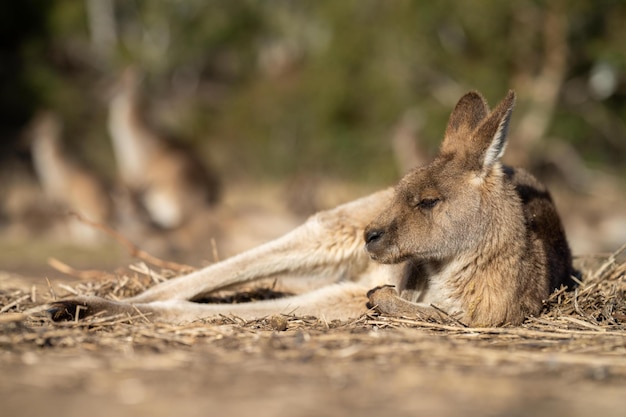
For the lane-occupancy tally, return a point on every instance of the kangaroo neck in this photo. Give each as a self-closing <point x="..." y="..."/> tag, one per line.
<point x="133" y="145"/>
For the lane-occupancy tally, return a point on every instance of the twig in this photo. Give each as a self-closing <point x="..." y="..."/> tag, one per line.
<point x="216" y="256"/>
<point x="14" y="303"/>
<point x="422" y="323"/>
<point x="133" y="250"/>
<point x="12" y="318"/>
<point x="576" y="306"/>
<point x="79" y="308"/>
<point x="51" y="290"/>
<point x="583" y="323"/>
<point x="68" y="270"/>
<point x="609" y="262"/>
<point x="144" y="269"/>
<point x="557" y="293"/>
<point x="576" y="280"/>
<point x="141" y="314"/>
<point x="445" y="313"/>
<point x="68" y="289"/>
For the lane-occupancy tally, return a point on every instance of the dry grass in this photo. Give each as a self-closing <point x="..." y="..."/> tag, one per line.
<point x="581" y="331"/>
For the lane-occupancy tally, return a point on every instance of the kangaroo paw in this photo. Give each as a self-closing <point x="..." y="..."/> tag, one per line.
<point x="383" y="299"/>
<point x="386" y="301"/>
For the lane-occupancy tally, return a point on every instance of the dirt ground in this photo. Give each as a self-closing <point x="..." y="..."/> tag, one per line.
<point x="305" y="374"/>
<point x="571" y="360"/>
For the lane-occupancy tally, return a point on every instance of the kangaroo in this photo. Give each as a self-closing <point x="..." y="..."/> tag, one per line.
<point x="64" y="181"/>
<point x="172" y="184"/>
<point x="463" y="234"/>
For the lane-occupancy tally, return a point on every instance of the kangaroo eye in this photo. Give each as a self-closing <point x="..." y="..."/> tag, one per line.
<point x="427" y="203"/>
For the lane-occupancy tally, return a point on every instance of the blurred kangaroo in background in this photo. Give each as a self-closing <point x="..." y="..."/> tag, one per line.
<point x="65" y="182"/>
<point x="478" y="240"/>
<point x="167" y="179"/>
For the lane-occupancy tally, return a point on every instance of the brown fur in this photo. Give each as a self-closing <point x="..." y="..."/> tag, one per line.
<point x="480" y="241"/>
<point x="497" y="224"/>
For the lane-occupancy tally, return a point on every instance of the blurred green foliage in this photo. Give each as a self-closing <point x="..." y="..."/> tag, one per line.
<point x="279" y="87"/>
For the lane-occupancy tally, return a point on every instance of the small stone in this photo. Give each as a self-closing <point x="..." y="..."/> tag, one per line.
<point x="278" y="322"/>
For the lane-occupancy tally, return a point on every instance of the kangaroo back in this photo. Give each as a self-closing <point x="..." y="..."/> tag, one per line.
<point x="479" y="238"/>
<point x="543" y="226"/>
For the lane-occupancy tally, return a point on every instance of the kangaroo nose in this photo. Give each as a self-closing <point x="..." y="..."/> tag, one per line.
<point x="373" y="235"/>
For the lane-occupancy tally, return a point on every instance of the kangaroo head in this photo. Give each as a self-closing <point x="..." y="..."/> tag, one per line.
<point x="443" y="209"/>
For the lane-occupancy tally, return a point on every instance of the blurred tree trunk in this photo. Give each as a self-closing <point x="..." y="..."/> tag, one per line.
<point x="540" y="74"/>
<point x="538" y="81"/>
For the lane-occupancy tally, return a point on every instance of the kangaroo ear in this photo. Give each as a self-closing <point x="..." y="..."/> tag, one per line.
<point x="489" y="139"/>
<point x="471" y="109"/>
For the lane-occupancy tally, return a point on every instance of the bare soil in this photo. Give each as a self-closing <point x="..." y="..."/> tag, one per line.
<point x="571" y="360"/>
